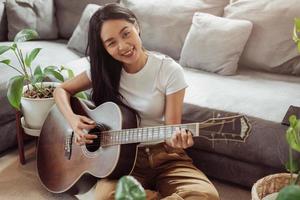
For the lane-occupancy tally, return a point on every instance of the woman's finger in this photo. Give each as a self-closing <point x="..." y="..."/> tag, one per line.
<point x="178" y="140"/>
<point x="87" y="120"/>
<point x="190" y="140"/>
<point x="184" y="138"/>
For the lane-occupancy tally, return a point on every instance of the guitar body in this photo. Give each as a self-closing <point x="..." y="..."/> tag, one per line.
<point x="64" y="166"/>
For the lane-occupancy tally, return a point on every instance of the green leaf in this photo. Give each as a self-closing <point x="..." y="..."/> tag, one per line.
<point x="5" y="61"/>
<point x="14" y="46"/>
<point x="70" y="73"/>
<point x="297" y="24"/>
<point x="57" y="75"/>
<point x="290" y="192"/>
<point x="293" y="120"/>
<point x="51" y="67"/>
<point x="38" y="70"/>
<point x="292" y="168"/>
<point x="3" y="49"/>
<point x="298" y="46"/>
<point x="81" y="95"/>
<point x="37" y="78"/>
<point x="128" y="188"/>
<point x="292" y="139"/>
<point x="14" y="93"/>
<point x="26" y="35"/>
<point x="29" y="58"/>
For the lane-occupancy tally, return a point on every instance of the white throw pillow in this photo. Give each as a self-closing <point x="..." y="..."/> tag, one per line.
<point x="165" y="23"/>
<point x="34" y="14"/>
<point x="270" y="46"/>
<point x="79" y="38"/>
<point x="215" y="44"/>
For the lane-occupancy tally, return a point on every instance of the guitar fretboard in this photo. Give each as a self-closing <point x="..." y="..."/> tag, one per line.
<point x="147" y="134"/>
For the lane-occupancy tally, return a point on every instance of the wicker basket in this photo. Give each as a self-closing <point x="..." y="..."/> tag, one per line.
<point x="269" y="184"/>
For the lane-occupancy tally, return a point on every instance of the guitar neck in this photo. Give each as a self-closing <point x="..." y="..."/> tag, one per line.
<point x="233" y="128"/>
<point x="146" y="134"/>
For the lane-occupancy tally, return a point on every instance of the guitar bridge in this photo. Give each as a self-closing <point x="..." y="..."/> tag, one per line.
<point x="68" y="146"/>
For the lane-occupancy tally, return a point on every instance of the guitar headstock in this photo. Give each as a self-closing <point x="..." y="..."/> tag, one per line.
<point x="232" y="128"/>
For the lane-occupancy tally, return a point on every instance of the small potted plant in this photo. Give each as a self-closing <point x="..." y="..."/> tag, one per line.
<point x="28" y="90"/>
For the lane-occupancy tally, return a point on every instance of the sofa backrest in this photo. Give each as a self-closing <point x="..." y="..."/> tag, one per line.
<point x="69" y="12"/>
<point x="3" y="21"/>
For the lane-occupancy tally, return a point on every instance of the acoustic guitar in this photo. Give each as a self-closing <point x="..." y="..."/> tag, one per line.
<point x="64" y="166"/>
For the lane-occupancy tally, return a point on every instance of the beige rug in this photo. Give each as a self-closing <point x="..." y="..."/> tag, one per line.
<point x="20" y="182"/>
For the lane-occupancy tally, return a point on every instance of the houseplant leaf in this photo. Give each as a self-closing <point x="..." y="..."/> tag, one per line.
<point x="5" y="61"/>
<point x="14" y="93"/>
<point x="292" y="166"/>
<point x="128" y="188"/>
<point x="81" y="95"/>
<point x="25" y="35"/>
<point x="297" y="24"/>
<point x="29" y="58"/>
<point x="292" y="139"/>
<point x="70" y="73"/>
<point x="3" y="49"/>
<point x="57" y="75"/>
<point x="290" y="192"/>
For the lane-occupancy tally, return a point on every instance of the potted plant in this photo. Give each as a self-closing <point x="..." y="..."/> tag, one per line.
<point x="29" y="88"/>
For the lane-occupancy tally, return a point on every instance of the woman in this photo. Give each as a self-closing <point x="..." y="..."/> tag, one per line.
<point x="151" y="85"/>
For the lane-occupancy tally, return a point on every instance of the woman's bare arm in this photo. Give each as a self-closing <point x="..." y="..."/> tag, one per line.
<point x="173" y="112"/>
<point x="62" y="96"/>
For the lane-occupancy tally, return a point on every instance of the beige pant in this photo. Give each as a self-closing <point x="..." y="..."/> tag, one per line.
<point x="167" y="170"/>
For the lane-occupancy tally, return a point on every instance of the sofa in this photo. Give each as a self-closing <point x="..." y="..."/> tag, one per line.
<point x="238" y="58"/>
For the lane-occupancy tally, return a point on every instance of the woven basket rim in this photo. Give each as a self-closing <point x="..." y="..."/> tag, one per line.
<point x="269" y="184"/>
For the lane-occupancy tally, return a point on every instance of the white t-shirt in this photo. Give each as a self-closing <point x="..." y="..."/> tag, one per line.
<point x="146" y="90"/>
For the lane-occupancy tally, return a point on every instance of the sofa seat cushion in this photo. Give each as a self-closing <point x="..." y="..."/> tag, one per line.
<point x="52" y="53"/>
<point x="254" y="93"/>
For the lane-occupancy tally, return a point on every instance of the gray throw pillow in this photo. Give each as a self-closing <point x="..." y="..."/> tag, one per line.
<point x="79" y="38"/>
<point x="3" y="21"/>
<point x="68" y="13"/>
<point x="270" y="46"/>
<point x="214" y="43"/>
<point x="35" y="14"/>
<point x="165" y="23"/>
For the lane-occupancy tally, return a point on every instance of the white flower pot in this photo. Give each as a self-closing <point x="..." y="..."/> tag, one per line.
<point x="35" y="111"/>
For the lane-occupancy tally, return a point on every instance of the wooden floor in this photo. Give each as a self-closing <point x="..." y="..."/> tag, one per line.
<point x="227" y="191"/>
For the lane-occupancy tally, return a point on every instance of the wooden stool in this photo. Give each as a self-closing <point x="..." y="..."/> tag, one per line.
<point x="21" y="137"/>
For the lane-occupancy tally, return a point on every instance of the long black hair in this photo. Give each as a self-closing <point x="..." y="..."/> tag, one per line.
<point x="105" y="70"/>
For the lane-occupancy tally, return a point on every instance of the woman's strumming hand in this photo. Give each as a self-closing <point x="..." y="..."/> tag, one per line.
<point x="80" y="125"/>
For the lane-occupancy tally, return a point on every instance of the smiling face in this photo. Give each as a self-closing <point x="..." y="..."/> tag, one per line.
<point x="121" y="40"/>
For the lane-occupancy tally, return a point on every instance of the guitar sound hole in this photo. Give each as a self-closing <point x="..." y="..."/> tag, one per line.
<point x="96" y="142"/>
